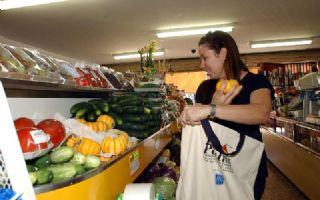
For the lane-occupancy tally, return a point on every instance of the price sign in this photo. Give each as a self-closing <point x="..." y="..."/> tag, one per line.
<point x="134" y="160"/>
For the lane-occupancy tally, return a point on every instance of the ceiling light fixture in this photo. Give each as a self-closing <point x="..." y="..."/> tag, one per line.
<point x="10" y="4"/>
<point x="130" y="55"/>
<point x="280" y="43"/>
<point x="194" y="31"/>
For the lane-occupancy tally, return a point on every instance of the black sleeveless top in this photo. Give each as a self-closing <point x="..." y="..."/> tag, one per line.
<point x="250" y="83"/>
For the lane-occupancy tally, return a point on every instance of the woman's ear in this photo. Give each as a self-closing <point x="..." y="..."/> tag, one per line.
<point x="223" y="53"/>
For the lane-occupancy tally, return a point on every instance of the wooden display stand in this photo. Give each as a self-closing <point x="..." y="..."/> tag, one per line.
<point x="299" y="165"/>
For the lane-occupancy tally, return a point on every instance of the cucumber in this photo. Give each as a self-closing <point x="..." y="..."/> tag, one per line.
<point x="146" y="110"/>
<point x="33" y="177"/>
<point x="138" y="134"/>
<point x="116" y="108"/>
<point x="130" y="102"/>
<point x="78" y="159"/>
<point x="80" y="169"/>
<point x="134" y="118"/>
<point x="62" y="171"/>
<point x="44" y="176"/>
<point x="155" y="110"/>
<point x="154" y="123"/>
<point x="92" y="162"/>
<point x="116" y="118"/>
<point x="150" y="85"/>
<point x="112" y="99"/>
<point x="103" y="105"/>
<point x="156" y="117"/>
<point x="76" y="107"/>
<point x="128" y="97"/>
<point x="133" y="109"/>
<point x="31" y="168"/>
<point x="61" y="155"/>
<point x="133" y="126"/>
<point x="94" y="101"/>
<point x="43" y="162"/>
<point x="97" y="110"/>
<point x="82" y="112"/>
<point x="91" y="117"/>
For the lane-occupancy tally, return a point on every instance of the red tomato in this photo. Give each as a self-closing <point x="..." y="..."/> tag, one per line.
<point x="26" y="141"/>
<point x="54" y="129"/>
<point x="23" y="122"/>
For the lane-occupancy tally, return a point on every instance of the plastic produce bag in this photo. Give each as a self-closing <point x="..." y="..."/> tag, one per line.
<point x="3" y="68"/>
<point x="67" y="71"/>
<point x="43" y="64"/>
<point x="9" y="61"/>
<point x="30" y="65"/>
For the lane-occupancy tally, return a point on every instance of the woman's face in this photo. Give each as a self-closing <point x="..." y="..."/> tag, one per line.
<point x="211" y="62"/>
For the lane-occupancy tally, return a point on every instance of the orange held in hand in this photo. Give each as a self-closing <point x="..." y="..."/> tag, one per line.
<point x="230" y="83"/>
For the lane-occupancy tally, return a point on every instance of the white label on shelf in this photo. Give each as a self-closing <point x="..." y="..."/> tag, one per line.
<point x="134" y="160"/>
<point x="157" y="143"/>
<point x="39" y="136"/>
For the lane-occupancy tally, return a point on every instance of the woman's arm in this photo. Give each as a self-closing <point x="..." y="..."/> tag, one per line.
<point x="256" y="112"/>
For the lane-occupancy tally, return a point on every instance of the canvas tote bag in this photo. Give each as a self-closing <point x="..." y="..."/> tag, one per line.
<point x="222" y="166"/>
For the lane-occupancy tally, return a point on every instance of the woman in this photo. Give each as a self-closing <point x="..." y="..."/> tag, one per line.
<point x="244" y="107"/>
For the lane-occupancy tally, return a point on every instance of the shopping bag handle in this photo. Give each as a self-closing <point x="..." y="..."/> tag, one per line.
<point x="215" y="141"/>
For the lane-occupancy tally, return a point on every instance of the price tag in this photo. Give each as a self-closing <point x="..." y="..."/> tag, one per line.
<point x="39" y="136"/>
<point x="134" y="160"/>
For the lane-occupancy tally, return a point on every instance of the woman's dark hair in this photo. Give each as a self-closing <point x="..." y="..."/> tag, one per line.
<point x="218" y="40"/>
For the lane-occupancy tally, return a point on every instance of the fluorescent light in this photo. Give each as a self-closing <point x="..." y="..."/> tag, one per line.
<point x="194" y="31"/>
<point x="129" y="55"/>
<point x="280" y="43"/>
<point x="10" y="4"/>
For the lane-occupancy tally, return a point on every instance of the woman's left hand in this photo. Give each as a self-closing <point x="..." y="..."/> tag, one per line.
<point x="220" y="98"/>
<point x="191" y="115"/>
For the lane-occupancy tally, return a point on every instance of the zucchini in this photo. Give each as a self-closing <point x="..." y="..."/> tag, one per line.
<point x="116" y="108"/>
<point x="44" y="176"/>
<point x="156" y="117"/>
<point x="91" y="117"/>
<point x="62" y="171"/>
<point x="94" y="101"/>
<point x="61" y="155"/>
<point x="117" y="119"/>
<point x="43" y="162"/>
<point x="150" y="85"/>
<point x="76" y="107"/>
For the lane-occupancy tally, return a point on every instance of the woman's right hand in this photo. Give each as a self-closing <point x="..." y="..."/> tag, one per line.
<point x="220" y="98"/>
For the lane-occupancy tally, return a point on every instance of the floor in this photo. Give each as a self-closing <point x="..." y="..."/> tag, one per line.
<point x="278" y="187"/>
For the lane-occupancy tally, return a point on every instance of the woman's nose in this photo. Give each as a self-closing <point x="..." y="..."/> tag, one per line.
<point x="202" y="65"/>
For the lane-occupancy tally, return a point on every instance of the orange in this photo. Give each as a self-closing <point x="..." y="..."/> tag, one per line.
<point x="230" y="83"/>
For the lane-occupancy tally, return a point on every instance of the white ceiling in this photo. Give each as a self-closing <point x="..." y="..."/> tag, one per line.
<point x="92" y="30"/>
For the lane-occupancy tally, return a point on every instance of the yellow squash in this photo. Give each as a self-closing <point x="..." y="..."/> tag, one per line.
<point x="107" y="119"/>
<point x="87" y="146"/>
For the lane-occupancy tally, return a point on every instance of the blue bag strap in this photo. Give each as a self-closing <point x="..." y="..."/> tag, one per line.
<point x="215" y="141"/>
